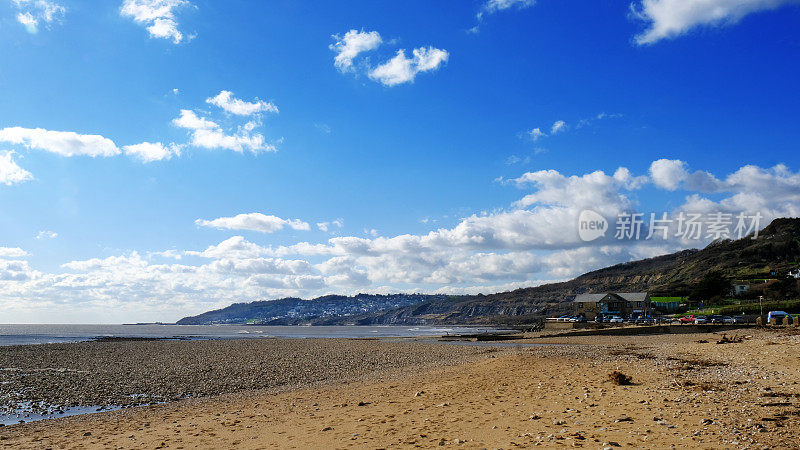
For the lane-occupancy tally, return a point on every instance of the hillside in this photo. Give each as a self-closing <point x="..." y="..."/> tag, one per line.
<point x="289" y="311"/>
<point x="777" y="249"/>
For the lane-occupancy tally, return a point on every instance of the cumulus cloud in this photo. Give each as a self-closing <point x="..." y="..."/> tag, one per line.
<point x="19" y="271"/>
<point x="529" y="242"/>
<point x="398" y="70"/>
<point x="239" y="142"/>
<point x="668" y="173"/>
<point x="233" y="105"/>
<point x="402" y="69"/>
<point x="353" y="43"/>
<point x="152" y="151"/>
<point x="189" y="120"/>
<point x="254" y="222"/>
<point x="671" y="18"/>
<point x="235" y="247"/>
<point x="208" y="134"/>
<point x="10" y="172"/>
<point x="33" y="12"/>
<point x="170" y="254"/>
<point x="64" y="143"/>
<point x="773" y="192"/>
<point x="12" y="253"/>
<point x="158" y="16"/>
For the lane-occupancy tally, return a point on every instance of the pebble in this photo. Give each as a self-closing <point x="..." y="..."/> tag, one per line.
<point x="131" y="373"/>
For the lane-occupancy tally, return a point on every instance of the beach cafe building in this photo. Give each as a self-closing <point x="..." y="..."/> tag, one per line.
<point x="623" y="304"/>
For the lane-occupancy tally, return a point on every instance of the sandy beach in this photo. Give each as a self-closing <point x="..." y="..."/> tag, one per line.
<point x="685" y="390"/>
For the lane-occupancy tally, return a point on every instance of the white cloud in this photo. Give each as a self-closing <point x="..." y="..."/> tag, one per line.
<point x="261" y="266"/>
<point x="10" y="172"/>
<point x="157" y="15"/>
<point x="152" y="151"/>
<point x="32" y="12"/>
<point x="170" y="254"/>
<point x="15" y="271"/>
<point x="189" y="120"/>
<point x="493" y="6"/>
<point x="208" y="134"/>
<point x="530" y="242"/>
<point x="773" y="192"/>
<point x="235" y="247"/>
<point x="254" y="222"/>
<point x="353" y="43"/>
<point x="12" y="253"/>
<point x="591" y="120"/>
<point x="325" y="226"/>
<point x="671" y="18"/>
<point x="65" y="143"/>
<point x="668" y="173"/>
<point x="29" y="22"/>
<point x="401" y="69"/>
<point x="46" y="234"/>
<point x="536" y="134"/>
<point x="239" y="142"/>
<point x="229" y="103"/>
<point x="560" y="126"/>
<point x="397" y="70"/>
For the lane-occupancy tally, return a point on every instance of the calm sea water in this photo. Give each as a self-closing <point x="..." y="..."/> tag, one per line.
<point x="43" y="334"/>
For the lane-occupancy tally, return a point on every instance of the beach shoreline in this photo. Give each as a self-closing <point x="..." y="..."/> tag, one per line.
<point x="686" y="390"/>
<point x="52" y="379"/>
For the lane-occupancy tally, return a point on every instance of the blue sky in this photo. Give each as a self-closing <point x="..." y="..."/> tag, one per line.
<point x="422" y="161"/>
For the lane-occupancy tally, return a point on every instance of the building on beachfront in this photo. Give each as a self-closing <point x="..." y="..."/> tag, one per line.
<point x="739" y="289"/>
<point x="667" y="304"/>
<point x="623" y="304"/>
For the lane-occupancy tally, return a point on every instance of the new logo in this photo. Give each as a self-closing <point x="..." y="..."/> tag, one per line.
<point x="591" y="225"/>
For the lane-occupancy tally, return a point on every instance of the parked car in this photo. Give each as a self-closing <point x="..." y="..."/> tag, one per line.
<point x="728" y="319"/>
<point x="700" y="319"/>
<point x="739" y="319"/>
<point x="580" y="318"/>
<point x="686" y="319"/>
<point x="615" y="319"/>
<point x="777" y="315"/>
<point x="716" y="319"/>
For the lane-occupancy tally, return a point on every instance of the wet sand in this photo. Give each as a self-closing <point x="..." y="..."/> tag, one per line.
<point x="685" y="393"/>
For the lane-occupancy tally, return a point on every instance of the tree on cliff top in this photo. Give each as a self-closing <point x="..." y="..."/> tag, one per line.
<point x="714" y="285"/>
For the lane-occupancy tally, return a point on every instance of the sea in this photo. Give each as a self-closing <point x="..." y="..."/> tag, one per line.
<point x="19" y="334"/>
